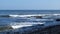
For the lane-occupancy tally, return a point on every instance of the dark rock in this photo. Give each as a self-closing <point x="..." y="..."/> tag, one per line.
<point x="57" y="19"/>
<point x="38" y="16"/>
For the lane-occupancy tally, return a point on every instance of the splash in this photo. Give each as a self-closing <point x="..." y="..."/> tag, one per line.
<point x="26" y="24"/>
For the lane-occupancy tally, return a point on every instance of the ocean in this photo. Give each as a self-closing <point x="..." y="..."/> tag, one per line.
<point x="19" y="12"/>
<point x="22" y="12"/>
<point x="4" y="21"/>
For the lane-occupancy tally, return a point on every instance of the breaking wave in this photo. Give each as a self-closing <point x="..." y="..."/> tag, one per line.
<point x="25" y="24"/>
<point x="27" y="15"/>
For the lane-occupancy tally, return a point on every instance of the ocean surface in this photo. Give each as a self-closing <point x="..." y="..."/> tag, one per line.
<point x="19" y="12"/>
<point x="6" y="20"/>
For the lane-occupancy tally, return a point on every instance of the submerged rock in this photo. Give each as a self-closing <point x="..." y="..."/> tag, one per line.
<point x="4" y="28"/>
<point x="37" y="16"/>
<point x="58" y="19"/>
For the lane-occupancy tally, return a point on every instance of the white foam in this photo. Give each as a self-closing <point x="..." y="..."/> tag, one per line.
<point x="20" y="25"/>
<point x="26" y="15"/>
<point x="32" y="15"/>
<point x="56" y="14"/>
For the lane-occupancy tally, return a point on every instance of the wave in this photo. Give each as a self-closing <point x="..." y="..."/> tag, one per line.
<point x="28" y="15"/>
<point x="32" y="15"/>
<point x="25" y="24"/>
<point x="23" y="15"/>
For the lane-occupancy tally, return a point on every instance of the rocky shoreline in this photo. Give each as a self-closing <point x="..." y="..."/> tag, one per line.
<point x="4" y="28"/>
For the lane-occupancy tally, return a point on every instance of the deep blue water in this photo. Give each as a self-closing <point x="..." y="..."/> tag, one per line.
<point x="29" y="11"/>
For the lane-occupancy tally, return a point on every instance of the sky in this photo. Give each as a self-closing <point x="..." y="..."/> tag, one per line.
<point x="29" y="4"/>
